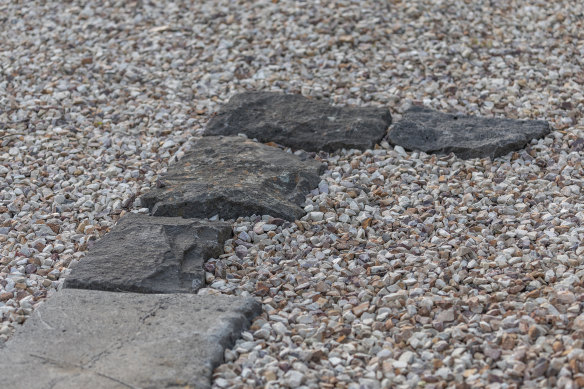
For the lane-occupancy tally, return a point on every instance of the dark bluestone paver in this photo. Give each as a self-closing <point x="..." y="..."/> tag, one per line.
<point x="233" y="177"/>
<point x="466" y="136"/>
<point x="151" y="255"/>
<point x="300" y="123"/>
<point x="104" y="340"/>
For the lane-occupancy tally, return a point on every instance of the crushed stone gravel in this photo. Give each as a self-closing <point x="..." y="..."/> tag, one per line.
<point x="408" y="268"/>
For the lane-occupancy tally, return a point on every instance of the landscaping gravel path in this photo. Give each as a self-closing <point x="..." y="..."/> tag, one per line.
<point x="409" y="268"/>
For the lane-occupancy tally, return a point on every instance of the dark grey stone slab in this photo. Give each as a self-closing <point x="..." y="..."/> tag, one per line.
<point x="232" y="177"/>
<point x="104" y="340"/>
<point x="300" y="123"/>
<point x="149" y="254"/>
<point x="466" y="136"/>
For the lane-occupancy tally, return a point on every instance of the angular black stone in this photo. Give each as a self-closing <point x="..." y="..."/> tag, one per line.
<point x="232" y="177"/>
<point x="104" y="340"/>
<point x="151" y="255"/>
<point x="300" y="123"/>
<point x="430" y="131"/>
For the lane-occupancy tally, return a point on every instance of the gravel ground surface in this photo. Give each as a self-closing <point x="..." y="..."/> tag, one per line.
<point x="409" y="270"/>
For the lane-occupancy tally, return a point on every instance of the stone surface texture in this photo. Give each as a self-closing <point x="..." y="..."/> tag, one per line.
<point x="151" y="255"/>
<point x="300" y="123"/>
<point x="93" y="339"/>
<point x="424" y="129"/>
<point x="232" y="177"/>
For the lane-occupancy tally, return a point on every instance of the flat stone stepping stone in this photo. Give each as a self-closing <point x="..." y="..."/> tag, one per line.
<point x="104" y="340"/>
<point x="430" y="131"/>
<point x="300" y="123"/>
<point x="233" y="177"/>
<point x="149" y="254"/>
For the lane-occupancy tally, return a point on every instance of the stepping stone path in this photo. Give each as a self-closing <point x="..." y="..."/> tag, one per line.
<point x="148" y="254"/>
<point x="466" y="136"/>
<point x="232" y="177"/>
<point x="100" y="339"/>
<point x="93" y="339"/>
<point x="300" y="123"/>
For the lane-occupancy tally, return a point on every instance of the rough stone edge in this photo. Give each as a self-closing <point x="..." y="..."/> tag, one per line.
<point x="238" y="325"/>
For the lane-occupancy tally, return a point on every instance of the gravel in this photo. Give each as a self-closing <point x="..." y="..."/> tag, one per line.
<point x="434" y="276"/>
<point x="409" y="268"/>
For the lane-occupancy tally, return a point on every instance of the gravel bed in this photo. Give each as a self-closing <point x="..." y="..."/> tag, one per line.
<point x="409" y="269"/>
<point x="413" y="268"/>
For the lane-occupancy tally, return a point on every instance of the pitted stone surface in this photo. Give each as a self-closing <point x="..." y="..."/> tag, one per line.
<point x="232" y="177"/>
<point x="151" y="255"/>
<point x="430" y="131"/>
<point x="103" y="340"/>
<point x="300" y="123"/>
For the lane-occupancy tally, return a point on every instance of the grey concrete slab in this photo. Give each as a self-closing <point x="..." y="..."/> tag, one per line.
<point x="103" y="340"/>
<point x="149" y="254"/>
